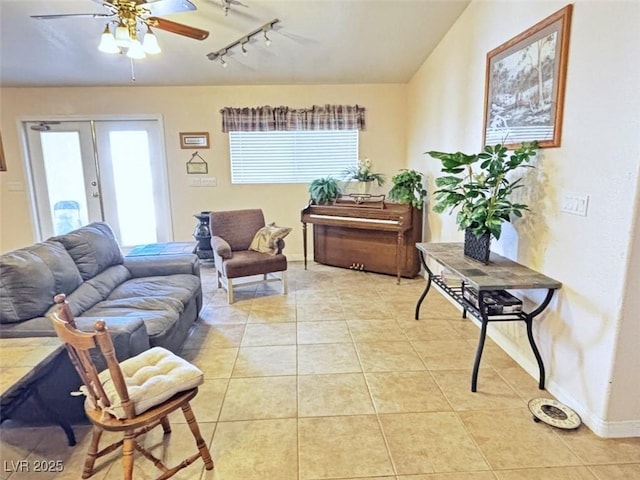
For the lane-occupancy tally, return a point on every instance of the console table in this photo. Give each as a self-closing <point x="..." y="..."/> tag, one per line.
<point x="499" y="274"/>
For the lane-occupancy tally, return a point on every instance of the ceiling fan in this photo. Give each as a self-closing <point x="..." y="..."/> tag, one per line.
<point x="127" y="16"/>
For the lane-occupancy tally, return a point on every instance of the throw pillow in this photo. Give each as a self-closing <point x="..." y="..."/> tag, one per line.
<point x="266" y="239"/>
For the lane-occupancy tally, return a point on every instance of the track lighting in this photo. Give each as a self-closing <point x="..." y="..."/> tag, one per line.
<point x="244" y="41"/>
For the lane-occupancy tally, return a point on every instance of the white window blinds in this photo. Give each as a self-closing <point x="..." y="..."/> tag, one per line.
<point x="298" y="156"/>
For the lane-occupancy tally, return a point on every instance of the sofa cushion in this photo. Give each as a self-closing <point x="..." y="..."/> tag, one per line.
<point x="160" y="314"/>
<point x="151" y="378"/>
<point x="181" y="287"/>
<point x="31" y="276"/>
<point x="97" y="289"/>
<point x="93" y="248"/>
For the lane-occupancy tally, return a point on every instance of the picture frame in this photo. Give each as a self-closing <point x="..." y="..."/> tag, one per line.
<point x="3" y="163"/>
<point x="194" y="140"/>
<point x="525" y="85"/>
<point x="197" y="165"/>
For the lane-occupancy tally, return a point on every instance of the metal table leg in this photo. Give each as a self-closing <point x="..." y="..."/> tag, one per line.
<point x="484" y="318"/>
<point x="426" y="288"/>
<point x="529" y="322"/>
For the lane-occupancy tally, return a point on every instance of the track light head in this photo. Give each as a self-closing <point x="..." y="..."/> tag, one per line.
<point x="243" y="42"/>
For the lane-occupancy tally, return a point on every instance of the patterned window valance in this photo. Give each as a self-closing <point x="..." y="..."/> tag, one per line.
<point x="260" y="119"/>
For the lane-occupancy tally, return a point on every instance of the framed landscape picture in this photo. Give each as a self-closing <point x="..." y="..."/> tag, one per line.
<point x="525" y="85"/>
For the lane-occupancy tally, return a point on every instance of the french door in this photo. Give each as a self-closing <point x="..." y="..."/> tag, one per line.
<point x="100" y="170"/>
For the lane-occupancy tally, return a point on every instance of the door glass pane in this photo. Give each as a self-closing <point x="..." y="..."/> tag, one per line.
<point x="65" y="180"/>
<point x="133" y="187"/>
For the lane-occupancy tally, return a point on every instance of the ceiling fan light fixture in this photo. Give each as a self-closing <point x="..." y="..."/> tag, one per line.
<point x="122" y="37"/>
<point x="107" y="42"/>
<point x="135" y="50"/>
<point x="150" y="43"/>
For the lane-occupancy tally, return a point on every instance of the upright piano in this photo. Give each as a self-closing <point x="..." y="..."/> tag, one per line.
<point x="370" y="236"/>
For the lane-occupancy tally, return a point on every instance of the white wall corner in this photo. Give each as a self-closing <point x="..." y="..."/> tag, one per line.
<point x="602" y="428"/>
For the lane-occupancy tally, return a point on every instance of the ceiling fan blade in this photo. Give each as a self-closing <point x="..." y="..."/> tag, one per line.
<point x="179" y="28"/>
<point x="166" y="7"/>
<point x="66" y="15"/>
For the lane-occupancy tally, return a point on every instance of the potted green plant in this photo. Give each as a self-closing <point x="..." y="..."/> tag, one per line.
<point x="363" y="173"/>
<point x="407" y="188"/>
<point x="324" y="191"/>
<point x="482" y="196"/>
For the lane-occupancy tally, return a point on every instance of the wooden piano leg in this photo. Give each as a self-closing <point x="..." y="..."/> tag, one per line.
<point x="304" y="243"/>
<point x="398" y="250"/>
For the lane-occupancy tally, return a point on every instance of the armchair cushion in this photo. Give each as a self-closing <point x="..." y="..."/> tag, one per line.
<point x="266" y="240"/>
<point x="248" y="262"/>
<point x="236" y="227"/>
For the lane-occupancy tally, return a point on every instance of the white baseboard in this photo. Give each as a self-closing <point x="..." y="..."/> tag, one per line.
<point x="602" y="428"/>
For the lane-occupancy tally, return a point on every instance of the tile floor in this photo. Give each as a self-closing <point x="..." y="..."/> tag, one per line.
<point x="337" y="381"/>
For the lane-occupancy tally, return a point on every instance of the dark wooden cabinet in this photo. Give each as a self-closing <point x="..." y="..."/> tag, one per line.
<point x="377" y="239"/>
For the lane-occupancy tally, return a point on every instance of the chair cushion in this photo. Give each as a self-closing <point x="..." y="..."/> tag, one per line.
<point x="151" y="378"/>
<point x="266" y="239"/>
<point x="248" y="262"/>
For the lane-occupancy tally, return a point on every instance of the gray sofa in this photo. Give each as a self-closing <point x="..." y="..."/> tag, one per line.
<point x="146" y="301"/>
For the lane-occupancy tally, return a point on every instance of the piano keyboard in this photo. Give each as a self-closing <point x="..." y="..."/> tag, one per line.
<point x="355" y="219"/>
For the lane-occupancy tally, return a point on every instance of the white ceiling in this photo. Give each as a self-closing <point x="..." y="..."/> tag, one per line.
<point x="316" y="42"/>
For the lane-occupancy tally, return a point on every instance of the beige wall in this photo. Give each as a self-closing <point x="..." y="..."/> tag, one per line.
<point x="589" y="365"/>
<point x="197" y="109"/>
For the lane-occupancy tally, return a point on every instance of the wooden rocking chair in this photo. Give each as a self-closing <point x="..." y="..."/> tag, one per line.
<point x="109" y="405"/>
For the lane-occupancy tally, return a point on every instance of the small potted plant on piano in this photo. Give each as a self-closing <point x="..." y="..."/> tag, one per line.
<point x="482" y="196"/>
<point x="407" y="188"/>
<point x="363" y="174"/>
<point x="324" y="191"/>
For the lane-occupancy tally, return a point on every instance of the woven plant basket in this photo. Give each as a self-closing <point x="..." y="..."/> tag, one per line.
<point x="477" y="248"/>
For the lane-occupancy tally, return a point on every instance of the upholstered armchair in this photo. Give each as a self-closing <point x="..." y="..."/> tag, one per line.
<point x="243" y="246"/>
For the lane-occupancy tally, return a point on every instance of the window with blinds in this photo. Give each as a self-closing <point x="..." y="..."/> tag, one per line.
<point x="298" y="156"/>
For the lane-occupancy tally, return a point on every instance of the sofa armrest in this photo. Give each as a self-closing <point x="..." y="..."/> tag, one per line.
<point x="221" y="247"/>
<point x="154" y="265"/>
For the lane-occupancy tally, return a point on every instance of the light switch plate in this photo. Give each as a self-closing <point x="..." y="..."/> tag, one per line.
<point x="575" y="204"/>
<point x="209" y="181"/>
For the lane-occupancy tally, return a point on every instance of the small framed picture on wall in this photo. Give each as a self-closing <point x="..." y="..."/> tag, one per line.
<point x="194" y="140"/>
